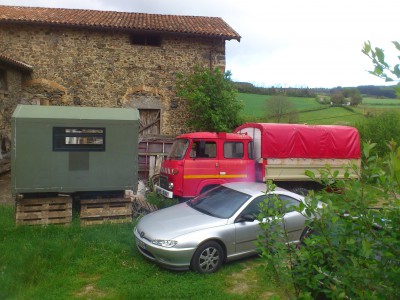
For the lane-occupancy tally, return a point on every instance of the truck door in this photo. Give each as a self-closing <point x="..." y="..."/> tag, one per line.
<point x="201" y="166"/>
<point x="234" y="164"/>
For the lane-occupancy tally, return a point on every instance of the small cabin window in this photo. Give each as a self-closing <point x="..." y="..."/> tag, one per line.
<point x="145" y="39"/>
<point x="3" y="80"/>
<point x="79" y="139"/>
<point x="203" y="149"/>
<point x="233" y="150"/>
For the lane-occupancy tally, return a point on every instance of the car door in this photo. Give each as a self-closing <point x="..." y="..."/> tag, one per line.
<point x="247" y="232"/>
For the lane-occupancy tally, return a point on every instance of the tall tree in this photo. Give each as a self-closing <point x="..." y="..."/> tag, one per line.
<point x="280" y="109"/>
<point x="212" y="99"/>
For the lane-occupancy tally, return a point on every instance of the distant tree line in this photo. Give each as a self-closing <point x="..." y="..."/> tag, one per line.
<point x="367" y="90"/>
<point x="245" y="87"/>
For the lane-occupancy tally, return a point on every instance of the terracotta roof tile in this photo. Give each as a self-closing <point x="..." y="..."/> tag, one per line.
<point x="15" y="63"/>
<point x="203" y="26"/>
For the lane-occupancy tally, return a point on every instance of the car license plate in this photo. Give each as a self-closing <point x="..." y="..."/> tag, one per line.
<point x="140" y="244"/>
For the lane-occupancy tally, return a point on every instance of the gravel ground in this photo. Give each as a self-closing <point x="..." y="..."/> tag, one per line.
<point x="5" y="189"/>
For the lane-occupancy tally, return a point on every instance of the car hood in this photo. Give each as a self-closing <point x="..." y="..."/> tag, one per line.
<point x="174" y="221"/>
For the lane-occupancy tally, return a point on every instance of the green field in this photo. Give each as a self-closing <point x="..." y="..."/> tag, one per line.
<point x="312" y="112"/>
<point x="102" y="262"/>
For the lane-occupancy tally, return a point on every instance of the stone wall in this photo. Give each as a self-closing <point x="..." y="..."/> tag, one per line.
<point x="75" y="66"/>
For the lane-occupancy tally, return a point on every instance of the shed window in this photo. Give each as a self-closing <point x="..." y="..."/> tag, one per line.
<point x="3" y="80"/>
<point x="79" y="139"/>
<point x="146" y="39"/>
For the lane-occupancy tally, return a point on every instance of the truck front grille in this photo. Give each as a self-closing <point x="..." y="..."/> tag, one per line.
<point x="164" y="182"/>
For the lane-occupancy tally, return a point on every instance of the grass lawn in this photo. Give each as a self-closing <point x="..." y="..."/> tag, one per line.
<point x="101" y="262"/>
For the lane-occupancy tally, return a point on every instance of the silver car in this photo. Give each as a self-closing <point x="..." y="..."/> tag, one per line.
<point x="213" y="228"/>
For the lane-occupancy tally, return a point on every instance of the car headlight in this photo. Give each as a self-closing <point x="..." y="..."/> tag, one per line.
<point x="171" y="186"/>
<point x="164" y="243"/>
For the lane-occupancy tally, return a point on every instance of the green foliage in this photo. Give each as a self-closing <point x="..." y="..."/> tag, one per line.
<point x="381" y="129"/>
<point x="102" y="262"/>
<point x="279" y="257"/>
<point x="337" y="98"/>
<point x="381" y="68"/>
<point x="212" y="100"/>
<point x="351" y="251"/>
<point x="160" y="201"/>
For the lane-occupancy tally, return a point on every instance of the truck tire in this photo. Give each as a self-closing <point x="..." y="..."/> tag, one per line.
<point x="301" y="191"/>
<point x="208" y="258"/>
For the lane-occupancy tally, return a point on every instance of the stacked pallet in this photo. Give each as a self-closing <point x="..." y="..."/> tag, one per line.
<point x="102" y="210"/>
<point x="44" y="211"/>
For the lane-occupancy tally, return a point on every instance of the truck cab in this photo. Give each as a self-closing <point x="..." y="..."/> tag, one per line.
<point x="199" y="161"/>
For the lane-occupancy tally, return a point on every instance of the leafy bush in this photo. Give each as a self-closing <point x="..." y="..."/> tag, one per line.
<point x="381" y="129"/>
<point x="212" y="100"/>
<point x="351" y="251"/>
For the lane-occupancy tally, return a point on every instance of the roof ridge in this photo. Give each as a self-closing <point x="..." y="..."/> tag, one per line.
<point x="182" y="24"/>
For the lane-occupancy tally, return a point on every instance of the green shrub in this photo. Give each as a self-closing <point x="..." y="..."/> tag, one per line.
<point x="381" y="129"/>
<point x="353" y="251"/>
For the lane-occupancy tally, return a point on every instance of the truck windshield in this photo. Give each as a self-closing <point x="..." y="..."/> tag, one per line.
<point x="178" y="149"/>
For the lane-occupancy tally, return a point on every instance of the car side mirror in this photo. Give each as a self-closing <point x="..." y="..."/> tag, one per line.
<point x="247" y="218"/>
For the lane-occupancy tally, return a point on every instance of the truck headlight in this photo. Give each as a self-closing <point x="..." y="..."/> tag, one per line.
<point x="171" y="186"/>
<point x="164" y="243"/>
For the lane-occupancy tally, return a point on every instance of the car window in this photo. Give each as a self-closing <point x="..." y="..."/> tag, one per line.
<point x="221" y="202"/>
<point x="254" y="207"/>
<point x="290" y="203"/>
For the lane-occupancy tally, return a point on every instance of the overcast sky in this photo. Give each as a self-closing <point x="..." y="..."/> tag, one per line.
<point x="288" y="43"/>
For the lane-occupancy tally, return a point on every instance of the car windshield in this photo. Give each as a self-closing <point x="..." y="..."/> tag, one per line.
<point x="178" y="149"/>
<point x="220" y="202"/>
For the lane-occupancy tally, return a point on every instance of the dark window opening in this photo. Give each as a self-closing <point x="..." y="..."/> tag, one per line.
<point x="146" y="40"/>
<point x="3" y="80"/>
<point x="79" y="139"/>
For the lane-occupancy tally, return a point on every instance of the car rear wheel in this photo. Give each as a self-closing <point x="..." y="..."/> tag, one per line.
<point x="207" y="258"/>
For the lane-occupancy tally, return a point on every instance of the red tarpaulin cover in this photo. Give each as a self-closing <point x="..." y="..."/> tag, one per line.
<point x="307" y="141"/>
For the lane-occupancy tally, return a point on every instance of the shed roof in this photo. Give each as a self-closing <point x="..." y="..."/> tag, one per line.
<point x="73" y="112"/>
<point x="195" y="25"/>
<point x="15" y="63"/>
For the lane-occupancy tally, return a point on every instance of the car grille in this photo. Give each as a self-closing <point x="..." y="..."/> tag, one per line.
<point x="164" y="182"/>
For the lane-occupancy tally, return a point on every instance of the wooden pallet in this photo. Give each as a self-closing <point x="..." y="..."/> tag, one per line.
<point x="111" y="210"/>
<point x="141" y="207"/>
<point x="43" y="211"/>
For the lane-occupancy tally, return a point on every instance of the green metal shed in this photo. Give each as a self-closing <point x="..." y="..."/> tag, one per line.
<point x="74" y="149"/>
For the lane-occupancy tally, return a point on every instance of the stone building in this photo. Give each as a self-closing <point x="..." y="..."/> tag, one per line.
<point x="102" y="58"/>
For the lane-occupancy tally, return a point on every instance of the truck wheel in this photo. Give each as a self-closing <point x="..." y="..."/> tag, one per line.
<point x="207" y="258"/>
<point x="300" y="190"/>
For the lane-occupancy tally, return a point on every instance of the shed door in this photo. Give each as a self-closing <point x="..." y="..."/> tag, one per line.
<point x="149" y="122"/>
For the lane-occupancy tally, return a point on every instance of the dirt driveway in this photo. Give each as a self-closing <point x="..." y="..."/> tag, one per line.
<point x="5" y="189"/>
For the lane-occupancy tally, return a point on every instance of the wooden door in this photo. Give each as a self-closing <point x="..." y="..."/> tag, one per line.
<point x="149" y="122"/>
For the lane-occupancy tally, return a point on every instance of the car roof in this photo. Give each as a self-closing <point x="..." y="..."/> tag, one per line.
<point x="251" y="188"/>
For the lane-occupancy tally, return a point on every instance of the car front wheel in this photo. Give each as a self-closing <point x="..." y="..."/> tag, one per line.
<point x="207" y="258"/>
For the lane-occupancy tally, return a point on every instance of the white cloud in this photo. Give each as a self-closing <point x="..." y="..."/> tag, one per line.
<point x="284" y="42"/>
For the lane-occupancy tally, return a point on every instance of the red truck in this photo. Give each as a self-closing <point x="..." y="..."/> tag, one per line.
<point x="199" y="161"/>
